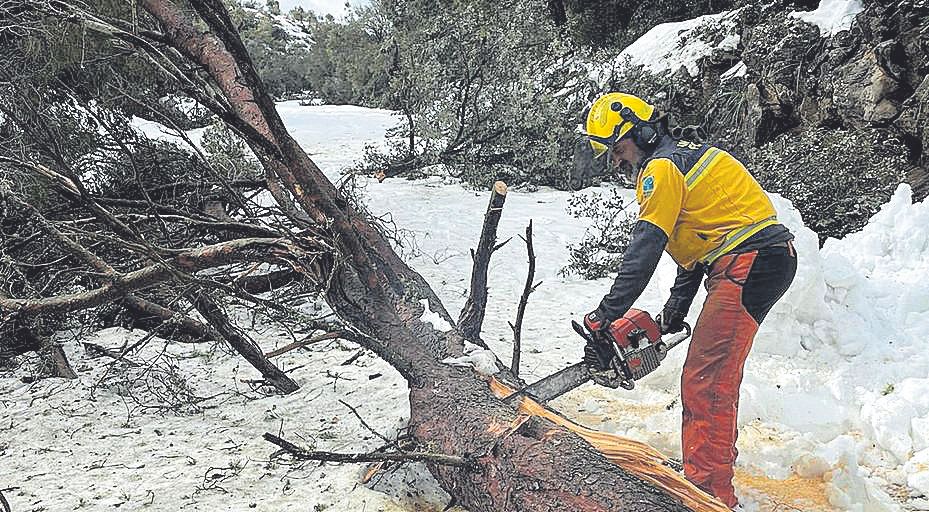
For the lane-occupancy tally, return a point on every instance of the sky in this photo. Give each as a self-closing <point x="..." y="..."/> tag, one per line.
<point x="321" y="7"/>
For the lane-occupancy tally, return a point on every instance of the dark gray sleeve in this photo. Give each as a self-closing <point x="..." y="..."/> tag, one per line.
<point x="639" y="262"/>
<point x="685" y="288"/>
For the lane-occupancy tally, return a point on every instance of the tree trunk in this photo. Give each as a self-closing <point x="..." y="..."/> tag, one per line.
<point x="528" y="463"/>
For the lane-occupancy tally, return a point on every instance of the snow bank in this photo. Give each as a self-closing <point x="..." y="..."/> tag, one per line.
<point x="854" y="327"/>
<point x="671" y="45"/>
<point x="832" y="16"/>
<point x="836" y="386"/>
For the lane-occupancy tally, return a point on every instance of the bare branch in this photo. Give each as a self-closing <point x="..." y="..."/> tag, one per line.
<point x="64" y="182"/>
<point x="244" y="249"/>
<point x="368" y="427"/>
<point x="172" y="325"/>
<point x="501" y="244"/>
<point x="523" y="301"/>
<point x="309" y="340"/>
<point x="472" y="314"/>
<point x="3" y="501"/>
<point x="244" y="346"/>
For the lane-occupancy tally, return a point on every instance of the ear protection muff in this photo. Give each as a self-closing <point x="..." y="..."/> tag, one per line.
<point x="642" y="132"/>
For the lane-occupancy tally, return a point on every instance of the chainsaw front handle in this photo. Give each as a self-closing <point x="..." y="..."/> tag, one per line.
<point x="677" y="339"/>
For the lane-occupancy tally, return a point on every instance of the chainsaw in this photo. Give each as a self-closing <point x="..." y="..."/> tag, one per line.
<point x="635" y="349"/>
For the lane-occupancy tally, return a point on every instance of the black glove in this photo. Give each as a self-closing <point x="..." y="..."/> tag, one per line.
<point x="670" y="321"/>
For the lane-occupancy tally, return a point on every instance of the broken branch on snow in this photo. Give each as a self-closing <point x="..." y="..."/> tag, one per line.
<point x="303" y="454"/>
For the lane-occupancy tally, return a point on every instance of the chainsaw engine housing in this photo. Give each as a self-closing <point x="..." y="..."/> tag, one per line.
<point x="636" y="340"/>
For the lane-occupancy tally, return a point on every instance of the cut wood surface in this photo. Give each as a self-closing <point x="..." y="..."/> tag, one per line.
<point x="634" y="456"/>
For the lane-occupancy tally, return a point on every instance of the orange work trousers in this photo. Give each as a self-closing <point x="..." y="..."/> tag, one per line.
<point x="741" y="290"/>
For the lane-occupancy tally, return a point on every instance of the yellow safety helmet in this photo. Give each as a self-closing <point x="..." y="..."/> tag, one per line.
<point x="611" y="117"/>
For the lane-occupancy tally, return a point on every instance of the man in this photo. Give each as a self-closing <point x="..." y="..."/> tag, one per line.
<point x="701" y="205"/>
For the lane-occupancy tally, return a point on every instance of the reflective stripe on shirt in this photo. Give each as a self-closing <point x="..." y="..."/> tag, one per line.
<point x="734" y="239"/>
<point x="696" y="172"/>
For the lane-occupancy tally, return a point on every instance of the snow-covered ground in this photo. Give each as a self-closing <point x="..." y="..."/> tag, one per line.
<point x="834" y="411"/>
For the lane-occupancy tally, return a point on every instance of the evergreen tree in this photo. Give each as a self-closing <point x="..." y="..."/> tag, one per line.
<point x="488" y="90"/>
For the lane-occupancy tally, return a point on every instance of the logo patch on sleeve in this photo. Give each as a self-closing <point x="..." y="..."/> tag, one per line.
<point x="648" y="186"/>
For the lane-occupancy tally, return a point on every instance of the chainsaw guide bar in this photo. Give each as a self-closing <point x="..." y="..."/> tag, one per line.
<point x="638" y="350"/>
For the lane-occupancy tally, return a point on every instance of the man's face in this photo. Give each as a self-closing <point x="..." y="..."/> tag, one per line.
<point x="625" y="151"/>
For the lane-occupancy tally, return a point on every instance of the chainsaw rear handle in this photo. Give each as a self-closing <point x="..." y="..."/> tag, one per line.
<point x="582" y="331"/>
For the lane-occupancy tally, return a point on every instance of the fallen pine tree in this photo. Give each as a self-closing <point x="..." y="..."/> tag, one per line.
<point x="519" y="458"/>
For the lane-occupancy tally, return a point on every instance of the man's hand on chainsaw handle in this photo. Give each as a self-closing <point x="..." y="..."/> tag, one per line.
<point x="670" y="321"/>
<point x="598" y="353"/>
<point x="595" y="322"/>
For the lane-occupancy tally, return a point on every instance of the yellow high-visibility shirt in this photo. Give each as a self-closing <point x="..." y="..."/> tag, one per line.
<point x="706" y="208"/>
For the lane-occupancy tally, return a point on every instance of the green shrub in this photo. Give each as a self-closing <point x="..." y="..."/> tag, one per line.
<point x="600" y="252"/>
<point x="488" y="92"/>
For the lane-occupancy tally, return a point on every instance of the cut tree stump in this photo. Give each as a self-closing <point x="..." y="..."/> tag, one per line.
<point x="472" y="314"/>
